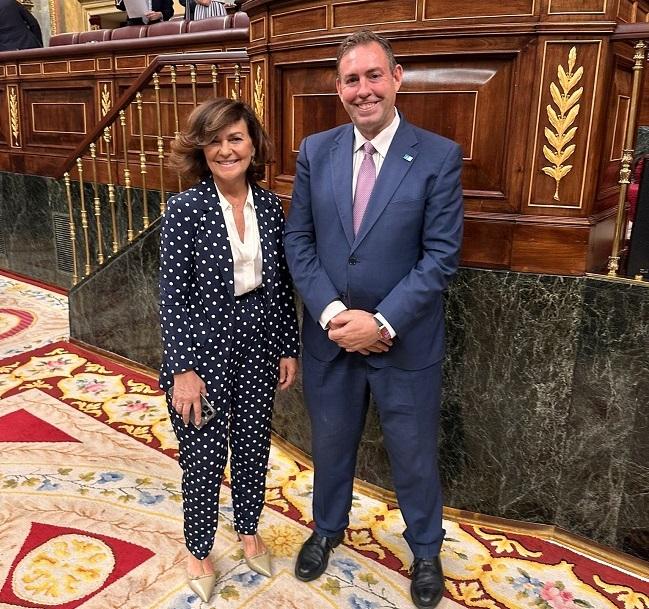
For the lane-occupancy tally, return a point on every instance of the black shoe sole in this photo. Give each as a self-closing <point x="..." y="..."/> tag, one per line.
<point x="432" y="605"/>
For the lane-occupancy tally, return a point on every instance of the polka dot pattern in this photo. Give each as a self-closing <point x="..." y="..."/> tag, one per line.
<point x="233" y="344"/>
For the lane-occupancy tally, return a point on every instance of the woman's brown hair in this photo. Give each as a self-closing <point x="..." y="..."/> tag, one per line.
<point x="203" y="124"/>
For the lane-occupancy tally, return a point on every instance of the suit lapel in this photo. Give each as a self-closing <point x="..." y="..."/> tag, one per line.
<point x="341" y="175"/>
<point x="265" y="223"/>
<point x="394" y="169"/>
<point x="218" y="238"/>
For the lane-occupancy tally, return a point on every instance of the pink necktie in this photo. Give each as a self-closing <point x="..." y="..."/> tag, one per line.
<point x="364" y="185"/>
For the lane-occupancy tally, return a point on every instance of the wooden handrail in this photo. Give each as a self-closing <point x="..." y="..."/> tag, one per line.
<point x="223" y="58"/>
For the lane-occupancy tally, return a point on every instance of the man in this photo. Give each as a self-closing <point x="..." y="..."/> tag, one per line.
<point x="18" y="28"/>
<point x="159" y="10"/>
<point x="372" y="239"/>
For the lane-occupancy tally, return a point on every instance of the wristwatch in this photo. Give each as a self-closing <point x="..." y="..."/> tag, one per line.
<point x="384" y="333"/>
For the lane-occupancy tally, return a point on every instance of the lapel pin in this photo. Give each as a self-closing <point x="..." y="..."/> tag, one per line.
<point x="407" y="157"/>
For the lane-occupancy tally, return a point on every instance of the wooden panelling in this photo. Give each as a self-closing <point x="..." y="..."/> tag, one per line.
<point x="461" y="100"/>
<point x="368" y="12"/>
<point x="57" y="119"/>
<point x="4" y="118"/>
<point x="616" y="120"/>
<point x="298" y="21"/>
<point x="27" y="69"/>
<point x="452" y="9"/>
<point x="55" y="67"/>
<point x="620" y="123"/>
<point x="625" y="11"/>
<point x="12" y="70"/>
<point x="70" y="118"/>
<point x="130" y="62"/>
<point x="543" y="191"/>
<point x="258" y="29"/>
<point x="568" y="7"/>
<point x="104" y="63"/>
<point x="82" y="65"/>
<point x="550" y="249"/>
<point x="486" y="243"/>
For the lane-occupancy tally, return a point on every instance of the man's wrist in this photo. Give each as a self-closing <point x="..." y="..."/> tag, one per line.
<point x="382" y="330"/>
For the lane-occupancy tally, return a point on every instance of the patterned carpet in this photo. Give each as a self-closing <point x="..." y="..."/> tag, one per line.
<point x="90" y="507"/>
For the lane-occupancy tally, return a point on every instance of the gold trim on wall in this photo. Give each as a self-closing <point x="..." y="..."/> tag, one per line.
<point x="105" y="98"/>
<point x="600" y="12"/>
<point x="14" y="116"/>
<point x="53" y="23"/>
<point x="258" y="95"/>
<point x="562" y="121"/>
<point x="533" y="170"/>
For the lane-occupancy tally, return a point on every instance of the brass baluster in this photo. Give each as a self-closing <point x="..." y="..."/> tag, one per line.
<point x="84" y="218"/>
<point x="145" y="203"/>
<point x="160" y="141"/>
<point x="627" y="158"/>
<point x="73" y="234"/>
<point x="111" y="188"/>
<point x="237" y="81"/>
<point x="95" y="190"/>
<point x="215" y="79"/>
<point x="127" y="180"/>
<point x="176" y="123"/>
<point x="192" y="75"/>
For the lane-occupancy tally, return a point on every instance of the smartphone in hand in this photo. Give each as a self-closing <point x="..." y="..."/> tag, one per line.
<point x="208" y="412"/>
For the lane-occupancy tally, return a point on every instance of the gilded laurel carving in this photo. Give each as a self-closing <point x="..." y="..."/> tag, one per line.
<point x="105" y="99"/>
<point x="259" y="96"/>
<point x="13" y="115"/>
<point x="562" y="117"/>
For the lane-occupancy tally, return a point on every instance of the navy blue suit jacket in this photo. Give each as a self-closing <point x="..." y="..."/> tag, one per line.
<point x="197" y="284"/>
<point x="405" y="252"/>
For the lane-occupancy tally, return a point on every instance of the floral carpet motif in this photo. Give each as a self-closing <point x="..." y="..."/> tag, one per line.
<point x="30" y="316"/>
<point x="90" y="516"/>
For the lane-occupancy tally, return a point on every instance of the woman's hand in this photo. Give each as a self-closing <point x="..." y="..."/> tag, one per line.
<point x="188" y="388"/>
<point x="288" y="367"/>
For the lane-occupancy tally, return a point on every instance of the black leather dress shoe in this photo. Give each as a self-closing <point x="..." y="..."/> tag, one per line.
<point x="427" y="586"/>
<point x="314" y="556"/>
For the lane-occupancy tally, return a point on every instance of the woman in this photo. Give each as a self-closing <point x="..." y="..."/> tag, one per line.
<point x="229" y="326"/>
<point x="195" y="10"/>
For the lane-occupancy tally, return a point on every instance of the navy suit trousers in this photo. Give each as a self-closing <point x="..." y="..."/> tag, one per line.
<point x="408" y="401"/>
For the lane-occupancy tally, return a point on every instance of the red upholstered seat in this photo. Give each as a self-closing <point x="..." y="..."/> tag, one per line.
<point x="166" y="28"/>
<point x="94" y="36"/>
<point x="66" y="38"/>
<point x="129" y="31"/>
<point x="207" y="25"/>
<point x="240" y="20"/>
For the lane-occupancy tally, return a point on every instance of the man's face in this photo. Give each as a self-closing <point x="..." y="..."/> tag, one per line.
<point x="368" y="88"/>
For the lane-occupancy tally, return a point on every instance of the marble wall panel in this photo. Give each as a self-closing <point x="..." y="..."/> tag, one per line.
<point x="117" y="308"/>
<point x="605" y="477"/>
<point x="26" y="206"/>
<point x="511" y="350"/>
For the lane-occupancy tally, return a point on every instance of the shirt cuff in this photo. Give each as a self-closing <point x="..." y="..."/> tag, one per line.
<point x="386" y="324"/>
<point x="330" y="311"/>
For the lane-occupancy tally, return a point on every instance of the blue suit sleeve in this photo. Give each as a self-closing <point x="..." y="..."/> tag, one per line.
<point x="176" y="275"/>
<point x="311" y="280"/>
<point x="413" y="296"/>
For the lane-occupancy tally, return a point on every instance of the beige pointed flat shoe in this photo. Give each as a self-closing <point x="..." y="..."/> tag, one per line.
<point x="259" y="563"/>
<point x="203" y="586"/>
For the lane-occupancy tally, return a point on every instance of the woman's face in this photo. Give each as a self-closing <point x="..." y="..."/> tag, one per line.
<point x="230" y="155"/>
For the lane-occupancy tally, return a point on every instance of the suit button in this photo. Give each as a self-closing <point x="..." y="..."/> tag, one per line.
<point x="353" y="260"/>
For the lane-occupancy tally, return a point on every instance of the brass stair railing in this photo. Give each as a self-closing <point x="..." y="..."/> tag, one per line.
<point x="119" y="202"/>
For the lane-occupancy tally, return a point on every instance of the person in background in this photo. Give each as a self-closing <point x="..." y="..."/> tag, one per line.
<point x="229" y="325"/>
<point x="18" y="27"/>
<point x="160" y="10"/>
<point x="372" y="239"/>
<point x="195" y="10"/>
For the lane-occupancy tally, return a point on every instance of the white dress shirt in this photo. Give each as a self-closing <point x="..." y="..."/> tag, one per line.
<point x="381" y="145"/>
<point x="246" y="254"/>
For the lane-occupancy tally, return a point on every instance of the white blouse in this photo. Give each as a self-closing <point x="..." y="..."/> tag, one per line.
<point x="246" y="254"/>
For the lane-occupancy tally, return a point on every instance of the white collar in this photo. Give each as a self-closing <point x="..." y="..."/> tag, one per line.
<point x="225" y="204"/>
<point x="383" y="140"/>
